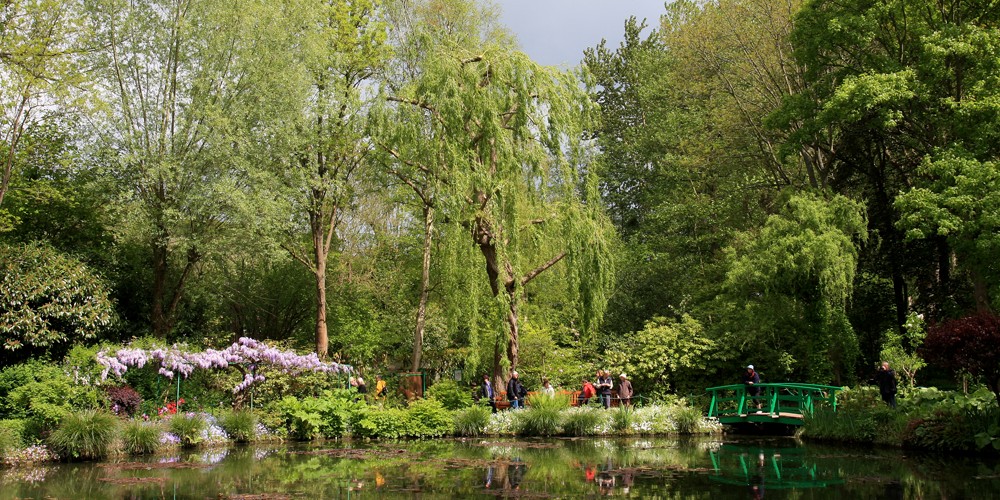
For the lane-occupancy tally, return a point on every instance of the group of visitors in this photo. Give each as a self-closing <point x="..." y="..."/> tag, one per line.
<point x="516" y="392"/>
<point x="605" y="387"/>
<point x="358" y="384"/>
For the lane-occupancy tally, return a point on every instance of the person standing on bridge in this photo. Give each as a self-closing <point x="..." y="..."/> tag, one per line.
<point x="886" y="379"/>
<point x="751" y="379"/>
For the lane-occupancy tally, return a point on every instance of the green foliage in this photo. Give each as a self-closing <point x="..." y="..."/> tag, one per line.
<point x="139" y="437"/>
<point x="927" y="418"/>
<point x="552" y="351"/>
<point x="879" y="424"/>
<point x="11" y="436"/>
<point x="900" y="350"/>
<point x="667" y="355"/>
<point x="240" y="425"/>
<point x="428" y="418"/>
<point x="582" y="421"/>
<point x="805" y="258"/>
<point x="472" y="421"/>
<point x="423" y="418"/>
<point x="450" y="394"/>
<point x="43" y="394"/>
<point x="687" y="418"/>
<point x="48" y="299"/>
<point x="324" y="416"/>
<point x="189" y="427"/>
<point x="500" y="140"/>
<point x="86" y="435"/>
<point x="386" y="423"/>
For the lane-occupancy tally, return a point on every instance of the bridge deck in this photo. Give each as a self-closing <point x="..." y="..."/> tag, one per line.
<point x="778" y="403"/>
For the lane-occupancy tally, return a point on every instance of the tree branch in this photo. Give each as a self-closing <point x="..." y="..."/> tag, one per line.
<point x="540" y="269"/>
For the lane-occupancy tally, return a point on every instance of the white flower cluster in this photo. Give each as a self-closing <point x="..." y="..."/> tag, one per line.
<point x="245" y="351"/>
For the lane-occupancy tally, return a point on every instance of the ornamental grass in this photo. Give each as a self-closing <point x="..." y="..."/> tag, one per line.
<point x="240" y="425"/>
<point x="87" y="435"/>
<point x="140" y="437"/>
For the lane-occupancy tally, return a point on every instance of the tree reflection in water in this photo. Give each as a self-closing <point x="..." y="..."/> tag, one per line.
<point x="554" y="468"/>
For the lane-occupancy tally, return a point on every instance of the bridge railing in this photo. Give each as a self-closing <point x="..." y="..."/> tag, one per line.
<point x="775" y="399"/>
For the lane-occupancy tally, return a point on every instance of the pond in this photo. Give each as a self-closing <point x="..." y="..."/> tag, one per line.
<point x="719" y="467"/>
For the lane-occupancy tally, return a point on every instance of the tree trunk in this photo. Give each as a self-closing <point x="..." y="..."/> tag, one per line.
<point x="425" y="286"/>
<point x="980" y="292"/>
<point x="160" y="324"/>
<point x="513" y="346"/>
<point x="322" y="340"/>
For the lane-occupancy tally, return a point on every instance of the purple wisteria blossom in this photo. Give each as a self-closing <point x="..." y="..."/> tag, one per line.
<point x="245" y="352"/>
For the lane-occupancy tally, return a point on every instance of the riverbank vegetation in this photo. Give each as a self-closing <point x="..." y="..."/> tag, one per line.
<point x="236" y="205"/>
<point x="926" y="418"/>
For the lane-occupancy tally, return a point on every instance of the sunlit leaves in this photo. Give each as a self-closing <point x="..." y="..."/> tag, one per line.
<point x="48" y="298"/>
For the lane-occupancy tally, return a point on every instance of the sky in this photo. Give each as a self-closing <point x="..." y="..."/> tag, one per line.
<point x="555" y="32"/>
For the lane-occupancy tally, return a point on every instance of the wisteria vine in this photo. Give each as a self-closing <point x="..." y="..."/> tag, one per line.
<point x="244" y="352"/>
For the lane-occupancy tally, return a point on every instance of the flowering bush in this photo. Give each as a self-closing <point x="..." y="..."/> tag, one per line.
<point x="124" y="400"/>
<point x="246" y="352"/>
<point x="171" y="408"/>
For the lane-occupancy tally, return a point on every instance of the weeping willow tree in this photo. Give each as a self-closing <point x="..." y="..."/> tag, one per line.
<point x="501" y="140"/>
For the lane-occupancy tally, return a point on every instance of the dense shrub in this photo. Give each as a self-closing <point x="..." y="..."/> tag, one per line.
<point x="428" y="418"/>
<point x="450" y="394"/>
<point x="876" y="424"/>
<point x="140" y="438"/>
<point x="124" y="400"/>
<point x="42" y="394"/>
<point x="84" y="435"/>
<point x="423" y="418"/>
<point x="241" y="426"/>
<point x="390" y="423"/>
<point x="189" y="428"/>
<point x="313" y="417"/>
<point x="687" y="419"/>
<point x="472" y="421"/>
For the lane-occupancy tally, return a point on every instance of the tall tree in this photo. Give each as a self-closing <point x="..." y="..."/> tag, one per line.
<point x="506" y="136"/>
<point x="417" y="26"/>
<point x="342" y="43"/>
<point x="800" y="266"/>
<point x="895" y="84"/>
<point x="182" y="87"/>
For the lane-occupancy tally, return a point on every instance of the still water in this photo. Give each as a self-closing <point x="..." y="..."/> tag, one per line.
<point x="726" y="467"/>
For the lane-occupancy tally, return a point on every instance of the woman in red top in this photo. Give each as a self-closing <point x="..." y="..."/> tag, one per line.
<point x="587" y="393"/>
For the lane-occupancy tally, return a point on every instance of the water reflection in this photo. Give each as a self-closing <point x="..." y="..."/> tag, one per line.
<point x="760" y="466"/>
<point x="491" y="468"/>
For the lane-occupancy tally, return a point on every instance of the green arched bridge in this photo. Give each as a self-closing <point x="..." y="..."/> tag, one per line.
<point x="782" y="403"/>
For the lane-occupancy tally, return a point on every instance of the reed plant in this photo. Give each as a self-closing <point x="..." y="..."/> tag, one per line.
<point x="140" y="438"/>
<point x="85" y="435"/>
<point x="543" y="415"/>
<point x="581" y="421"/>
<point x="189" y="428"/>
<point x="472" y="421"/>
<point x="687" y="419"/>
<point x="621" y="419"/>
<point x="240" y="425"/>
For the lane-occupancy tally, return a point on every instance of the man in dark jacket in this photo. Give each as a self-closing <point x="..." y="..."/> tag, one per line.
<point x="886" y="380"/>
<point x="515" y="392"/>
